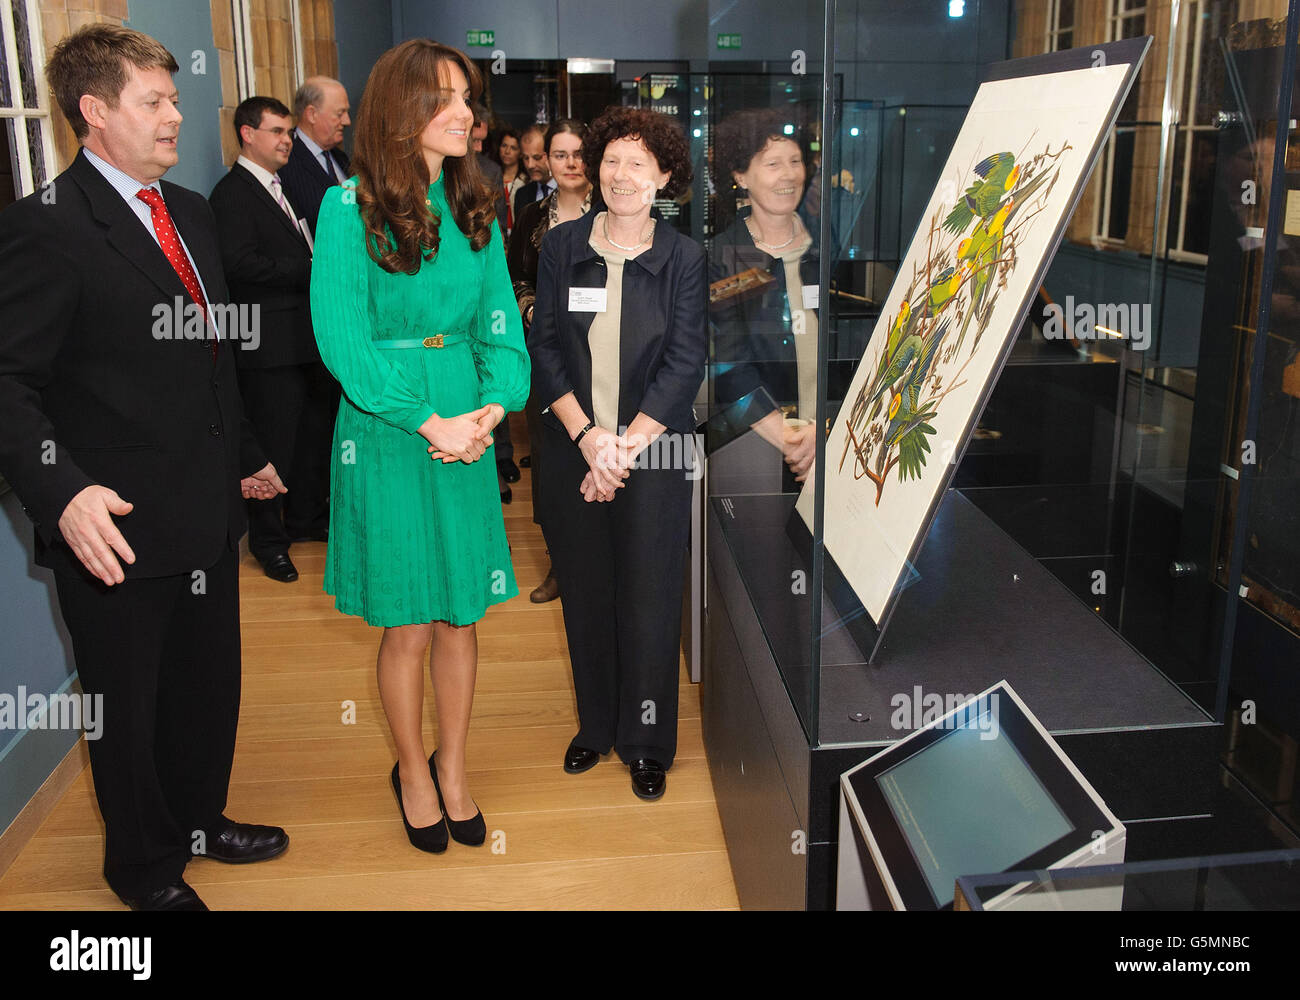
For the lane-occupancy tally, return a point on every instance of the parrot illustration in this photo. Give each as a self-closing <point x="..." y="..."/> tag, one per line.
<point x="998" y="175"/>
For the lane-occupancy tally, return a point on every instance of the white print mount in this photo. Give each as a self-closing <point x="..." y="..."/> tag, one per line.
<point x="983" y="245"/>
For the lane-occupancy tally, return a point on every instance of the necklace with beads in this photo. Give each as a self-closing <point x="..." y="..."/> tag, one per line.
<point x="604" y="225"/>
<point x="758" y="239"/>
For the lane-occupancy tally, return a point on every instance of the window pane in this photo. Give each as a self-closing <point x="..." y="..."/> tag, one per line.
<point x="1065" y="14"/>
<point x="8" y="168"/>
<point x="6" y="98"/>
<point x="36" y="144"/>
<point x="26" y="74"/>
<point x="1121" y="186"/>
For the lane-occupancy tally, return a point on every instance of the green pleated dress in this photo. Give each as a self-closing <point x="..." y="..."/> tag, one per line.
<point x="413" y="540"/>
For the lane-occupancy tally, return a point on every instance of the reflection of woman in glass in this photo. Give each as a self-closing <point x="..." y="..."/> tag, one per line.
<point x="764" y="280"/>
<point x="570" y="200"/>
<point x="413" y="311"/>
<point x="618" y="343"/>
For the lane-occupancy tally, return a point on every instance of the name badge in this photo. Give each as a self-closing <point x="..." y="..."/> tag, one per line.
<point x="588" y="300"/>
<point x="810" y="296"/>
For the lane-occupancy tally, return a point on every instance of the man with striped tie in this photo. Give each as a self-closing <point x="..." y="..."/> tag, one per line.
<point x="125" y="441"/>
<point x="288" y="393"/>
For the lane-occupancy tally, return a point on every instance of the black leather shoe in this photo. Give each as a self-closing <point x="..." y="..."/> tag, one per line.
<point x="431" y="839"/>
<point x="507" y="495"/>
<point x="547" y="590"/>
<point x="526" y="462"/>
<point x="281" y="568"/>
<point x="578" y="759"/>
<point x="648" y="778"/>
<point x="242" y="843"/>
<point x="509" y="471"/>
<point x="177" y="896"/>
<point x="471" y="832"/>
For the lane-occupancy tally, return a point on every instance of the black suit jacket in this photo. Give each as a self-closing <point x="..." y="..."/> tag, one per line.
<point x="267" y="264"/>
<point x="305" y="180"/>
<point x="90" y="394"/>
<point x="528" y="194"/>
<point x="663" y="335"/>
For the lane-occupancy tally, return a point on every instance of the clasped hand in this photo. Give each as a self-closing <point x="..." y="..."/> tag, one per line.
<point x="610" y="458"/>
<point x="464" y="438"/>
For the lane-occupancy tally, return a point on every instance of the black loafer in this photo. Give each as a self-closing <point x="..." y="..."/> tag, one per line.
<point x="280" y="568"/>
<point x="526" y="462"/>
<point x="177" y="896"/>
<point x="507" y="495"/>
<point x="648" y="778"/>
<point x="509" y="471"/>
<point x="242" y="843"/>
<point x="578" y="759"/>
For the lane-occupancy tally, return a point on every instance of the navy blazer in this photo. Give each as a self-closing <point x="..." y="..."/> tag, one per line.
<point x="663" y="336"/>
<point x="305" y="181"/>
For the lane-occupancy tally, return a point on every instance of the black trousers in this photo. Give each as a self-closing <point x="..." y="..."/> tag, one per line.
<point x="292" y="409"/>
<point x="620" y="566"/>
<point x="164" y="655"/>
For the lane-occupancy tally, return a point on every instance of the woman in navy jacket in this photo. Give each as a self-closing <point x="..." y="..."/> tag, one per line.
<point x="618" y="342"/>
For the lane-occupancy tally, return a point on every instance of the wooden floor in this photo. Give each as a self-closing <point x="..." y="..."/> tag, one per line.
<point x="554" y="840"/>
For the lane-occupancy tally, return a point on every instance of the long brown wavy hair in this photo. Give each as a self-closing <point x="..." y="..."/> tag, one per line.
<point x="406" y="89"/>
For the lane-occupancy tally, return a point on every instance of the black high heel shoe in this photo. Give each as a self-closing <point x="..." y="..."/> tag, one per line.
<point x="470" y="832"/>
<point x="432" y="839"/>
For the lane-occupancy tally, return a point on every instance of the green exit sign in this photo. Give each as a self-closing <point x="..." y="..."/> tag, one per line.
<point x="480" y="37"/>
<point x="729" y="41"/>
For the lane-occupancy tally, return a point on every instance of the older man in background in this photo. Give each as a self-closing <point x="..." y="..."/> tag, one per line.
<point x="317" y="161"/>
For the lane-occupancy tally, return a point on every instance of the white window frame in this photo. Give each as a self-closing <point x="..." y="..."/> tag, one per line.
<point x="1115" y="18"/>
<point x="1193" y="25"/>
<point x="1054" y="27"/>
<point x="20" y="115"/>
<point x="245" y="58"/>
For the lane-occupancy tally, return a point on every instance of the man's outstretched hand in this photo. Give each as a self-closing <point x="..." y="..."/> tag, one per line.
<point x="87" y="526"/>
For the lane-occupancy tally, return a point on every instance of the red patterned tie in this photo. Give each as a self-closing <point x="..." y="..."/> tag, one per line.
<point x="170" y="242"/>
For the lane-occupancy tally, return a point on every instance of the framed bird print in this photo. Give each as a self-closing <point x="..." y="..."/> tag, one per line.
<point x="986" y="238"/>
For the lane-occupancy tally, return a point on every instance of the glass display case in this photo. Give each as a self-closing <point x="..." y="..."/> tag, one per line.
<point x="1115" y="527"/>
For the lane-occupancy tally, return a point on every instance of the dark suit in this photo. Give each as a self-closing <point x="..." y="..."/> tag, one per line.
<point x="305" y="180"/>
<point x="289" y="395"/>
<point x="89" y="394"/>
<point x="620" y="565"/>
<point x="531" y="191"/>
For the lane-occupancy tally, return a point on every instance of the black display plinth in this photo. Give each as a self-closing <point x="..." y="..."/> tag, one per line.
<point x="981" y="610"/>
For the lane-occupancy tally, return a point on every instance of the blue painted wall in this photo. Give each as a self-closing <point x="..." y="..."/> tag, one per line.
<point x="363" y="30"/>
<point x="35" y="653"/>
<point x="185" y="27"/>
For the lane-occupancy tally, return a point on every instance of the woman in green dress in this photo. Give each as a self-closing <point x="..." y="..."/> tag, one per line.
<point x="415" y="315"/>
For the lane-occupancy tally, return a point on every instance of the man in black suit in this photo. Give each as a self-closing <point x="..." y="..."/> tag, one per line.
<point x="121" y="430"/>
<point x="532" y="158"/>
<point x="317" y="161"/>
<point x="287" y="390"/>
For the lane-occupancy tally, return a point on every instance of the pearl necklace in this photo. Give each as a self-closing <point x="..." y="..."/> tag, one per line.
<point x="794" y="230"/>
<point x="604" y="225"/>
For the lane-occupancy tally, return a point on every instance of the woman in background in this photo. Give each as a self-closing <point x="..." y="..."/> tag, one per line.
<point x="570" y="200"/>
<point x="512" y="177"/>
<point x="618" y="342"/>
<point x="414" y="314"/>
<point x="767" y="339"/>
